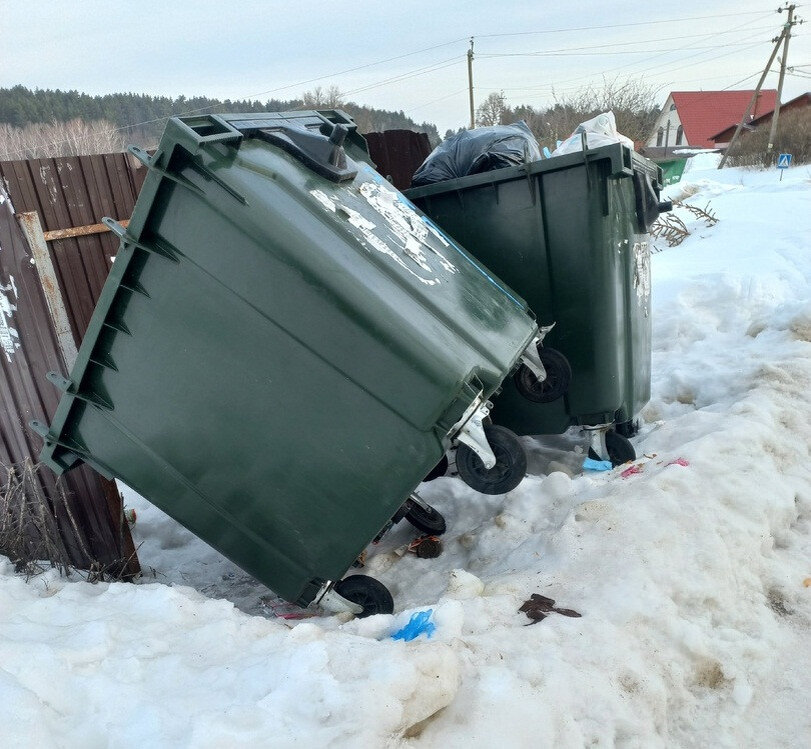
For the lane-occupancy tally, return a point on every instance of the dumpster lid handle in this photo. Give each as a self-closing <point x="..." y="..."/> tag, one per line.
<point x="322" y="152"/>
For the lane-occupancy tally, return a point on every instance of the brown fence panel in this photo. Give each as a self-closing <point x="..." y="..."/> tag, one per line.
<point x="398" y="154"/>
<point x="70" y="192"/>
<point x="89" y="520"/>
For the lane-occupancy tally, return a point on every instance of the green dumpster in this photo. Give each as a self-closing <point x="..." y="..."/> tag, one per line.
<point x="569" y="233"/>
<point x="283" y="349"/>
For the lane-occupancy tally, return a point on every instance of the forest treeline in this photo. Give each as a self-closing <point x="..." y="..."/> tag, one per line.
<point x="52" y="117"/>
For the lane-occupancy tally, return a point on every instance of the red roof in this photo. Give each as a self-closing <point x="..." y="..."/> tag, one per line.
<point x="803" y="100"/>
<point x="704" y="113"/>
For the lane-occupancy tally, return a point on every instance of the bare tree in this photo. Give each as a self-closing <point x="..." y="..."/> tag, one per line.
<point x="631" y="100"/>
<point x="793" y="136"/>
<point x="50" y="139"/>
<point x="319" y="98"/>
<point x="492" y="111"/>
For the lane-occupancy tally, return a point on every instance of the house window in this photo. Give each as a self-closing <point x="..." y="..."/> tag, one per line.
<point x="679" y="135"/>
<point x="660" y="136"/>
<point x="672" y="107"/>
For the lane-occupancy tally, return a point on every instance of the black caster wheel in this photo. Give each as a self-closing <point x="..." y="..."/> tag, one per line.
<point x="505" y="475"/>
<point x="428" y="520"/>
<point x="556" y="384"/>
<point x="440" y="469"/>
<point x="370" y="594"/>
<point x="628" y="428"/>
<point x="620" y="450"/>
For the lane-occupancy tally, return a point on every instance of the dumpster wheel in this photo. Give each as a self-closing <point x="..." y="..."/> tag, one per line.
<point x="370" y="594"/>
<point x="556" y="384"/>
<point x="425" y="518"/>
<point x="505" y="475"/>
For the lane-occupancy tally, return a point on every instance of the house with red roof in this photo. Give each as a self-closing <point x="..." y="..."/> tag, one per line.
<point x="803" y="101"/>
<point x="692" y="118"/>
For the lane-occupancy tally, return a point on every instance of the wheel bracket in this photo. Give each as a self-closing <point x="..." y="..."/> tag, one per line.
<point x="597" y="439"/>
<point x="472" y="434"/>
<point x="532" y="359"/>
<point x="335" y="603"/>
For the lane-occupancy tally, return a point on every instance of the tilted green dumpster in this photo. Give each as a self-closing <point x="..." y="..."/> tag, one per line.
<point x="569" y="233"/>
<point x="283" y="349"/>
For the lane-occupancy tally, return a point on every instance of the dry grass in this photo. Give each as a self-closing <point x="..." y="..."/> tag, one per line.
<point x="33" y="538"/>
<point x="793" y="136"/>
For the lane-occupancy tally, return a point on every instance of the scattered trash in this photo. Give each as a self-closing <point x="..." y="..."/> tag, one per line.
<point x="597" y="465"/>
<point x="419" y="624"/>
<point x="361" y="560"/>
<point x="130" y="516"/>
<point x="678" y="462"/>
<point x="538" y="606"/>
<point x="281" y="609"/>
<point x="598" y="131"/>
<point x="632" y="471"/>
<point x="426" y="547"/>
<point x="481" y="150"/>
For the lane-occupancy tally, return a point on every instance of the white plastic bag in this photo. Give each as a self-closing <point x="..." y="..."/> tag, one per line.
<point x="600" y="131"/>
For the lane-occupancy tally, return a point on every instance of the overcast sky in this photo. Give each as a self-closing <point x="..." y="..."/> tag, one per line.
<point x="406" y="55"/>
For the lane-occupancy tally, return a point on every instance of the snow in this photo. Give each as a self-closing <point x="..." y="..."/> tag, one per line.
<point x="691" y="576"/>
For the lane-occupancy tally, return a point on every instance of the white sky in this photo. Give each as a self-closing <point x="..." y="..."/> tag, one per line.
<point x="243" y="49"/>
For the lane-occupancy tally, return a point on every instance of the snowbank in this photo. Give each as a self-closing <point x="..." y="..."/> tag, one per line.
<point x="689" y="575"/>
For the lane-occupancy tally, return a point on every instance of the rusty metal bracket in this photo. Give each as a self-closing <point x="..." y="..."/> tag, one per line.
<point x="79" y="231"/>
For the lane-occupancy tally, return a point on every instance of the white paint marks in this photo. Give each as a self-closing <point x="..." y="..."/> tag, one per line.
<point x="44" y="172"/>
<point x="405" y="223"/>
<point x="9" y="338"/>
<point x="642" y="275"/>
<point x="323" y="199"/>
<point x="407" y="229"/>
<point x="4" y="198"/>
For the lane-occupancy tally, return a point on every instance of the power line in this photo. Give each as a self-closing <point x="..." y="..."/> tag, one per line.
<point x="605" y="47"/>
<point x="604" y="53"/>
<point x="434" y="101"/>
<point x="641" y="62"/>
<point x="619" y="25"/>
<point x="403" y="76"/>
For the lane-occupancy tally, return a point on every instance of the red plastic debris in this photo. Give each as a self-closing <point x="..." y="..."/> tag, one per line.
<point x="678" y="462"/>
<point x="631" y="471"/>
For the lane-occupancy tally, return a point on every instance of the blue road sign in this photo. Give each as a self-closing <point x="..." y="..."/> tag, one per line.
<point x="784" y="161"/>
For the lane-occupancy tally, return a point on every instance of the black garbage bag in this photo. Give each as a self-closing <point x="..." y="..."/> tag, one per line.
<point x="481" y="150"/>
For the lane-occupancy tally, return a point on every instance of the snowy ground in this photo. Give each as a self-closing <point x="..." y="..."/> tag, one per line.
<point x="693" y="581"/>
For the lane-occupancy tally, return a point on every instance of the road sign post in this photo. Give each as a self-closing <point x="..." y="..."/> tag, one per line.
<point x="783" y="162"/>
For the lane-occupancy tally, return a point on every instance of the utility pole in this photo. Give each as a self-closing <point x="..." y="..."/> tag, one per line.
<point x="470" y="83"/>
<point x="755" y="95"/>
<point x="786" y="36"/>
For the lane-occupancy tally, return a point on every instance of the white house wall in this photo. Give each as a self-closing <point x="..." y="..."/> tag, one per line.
<point x="668" y="115"/>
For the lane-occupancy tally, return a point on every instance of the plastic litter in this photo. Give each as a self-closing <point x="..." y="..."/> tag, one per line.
<point x="426" y="547"/>
<point x="632" y="471"/>
<point x="481" y="150"/>
<point x="597" y="465"/>
<point x="537" y="607"/>
<point x="678" y="462"/>
<point x="599" y="131"/>
<point x="419" y="624"/>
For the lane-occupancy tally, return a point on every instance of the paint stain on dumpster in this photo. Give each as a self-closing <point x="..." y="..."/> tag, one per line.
<point x="407" y="228"/>
<point x="642" y="279"/>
